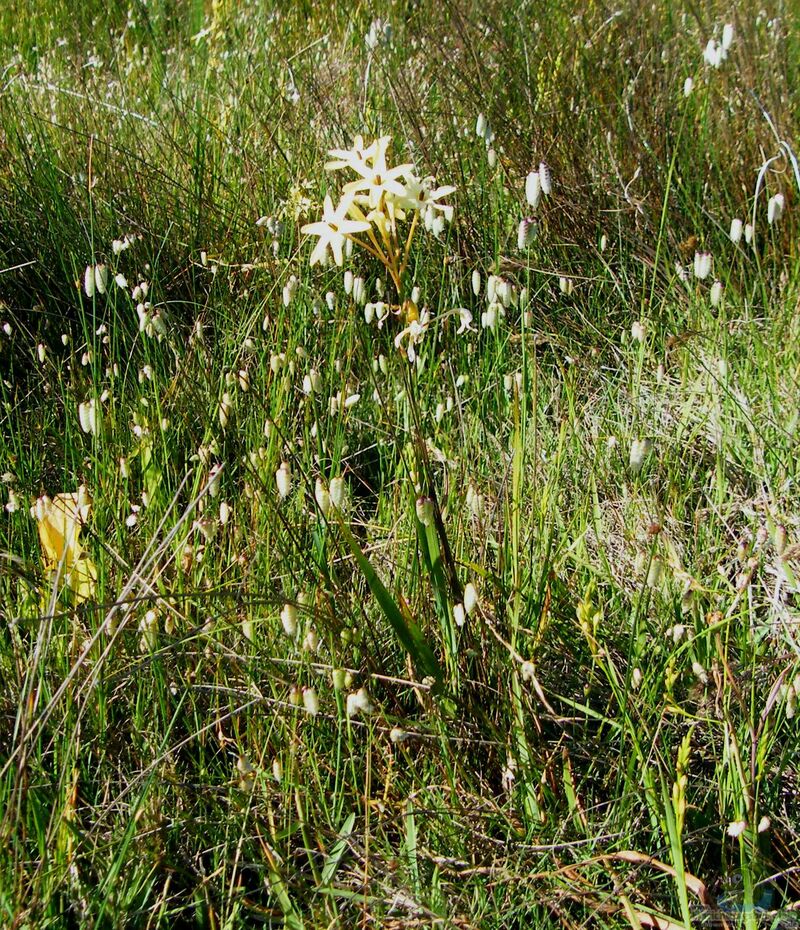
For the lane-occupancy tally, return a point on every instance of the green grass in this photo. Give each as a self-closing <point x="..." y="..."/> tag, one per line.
<point x="577" y="752"/>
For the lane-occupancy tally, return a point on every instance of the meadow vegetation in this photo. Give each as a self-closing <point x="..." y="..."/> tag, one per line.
<point x="452" y="586"/>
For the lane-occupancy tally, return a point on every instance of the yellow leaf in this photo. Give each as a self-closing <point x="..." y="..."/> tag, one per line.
<point x="59" y="523"/>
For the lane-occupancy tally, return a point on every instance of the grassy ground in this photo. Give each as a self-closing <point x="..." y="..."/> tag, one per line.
<point x="610" y="738"/>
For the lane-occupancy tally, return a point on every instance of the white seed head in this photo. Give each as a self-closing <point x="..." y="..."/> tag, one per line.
<point x="736" y="828"/>
<point x="640" y="449"/>
<point x="88" y="281"/>
<point x="311" y="701"/>
<point x="476" y="282"/>
<point x="489" y="316"/>
<point x="89" y="416"/>
<point x="526" y="233"/>
<point x="737" y="228"/>
<point x="289" y="619"/>
<point x="100" y="278"/>
<point x="545" y="178"/>
<point x="424" y="508"/>
<point x="775" y="208"/>
<point x="727" y="36"/>
<point x="322" y="497"/>
<point x="225" y="408"/>
<point x="470" y="598"/>
<point x="337" y="492"/>
<point x="533" y="189"/>
<point x="283" y="479"/>
<point x="359" y="702"/>
<point x="702" y="265"/>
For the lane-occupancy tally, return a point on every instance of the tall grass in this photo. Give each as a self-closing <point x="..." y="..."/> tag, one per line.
<point x="609" y="738"/>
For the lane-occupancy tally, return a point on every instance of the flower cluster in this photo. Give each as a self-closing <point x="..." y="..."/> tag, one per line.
<point x="374" y="203"/>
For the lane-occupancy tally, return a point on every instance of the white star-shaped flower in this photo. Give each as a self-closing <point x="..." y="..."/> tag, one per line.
<point x="377" y="179"/>
<point x="333" y="230"/>
<point x="359" y="155"/>
<point x="423" y="196"/>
